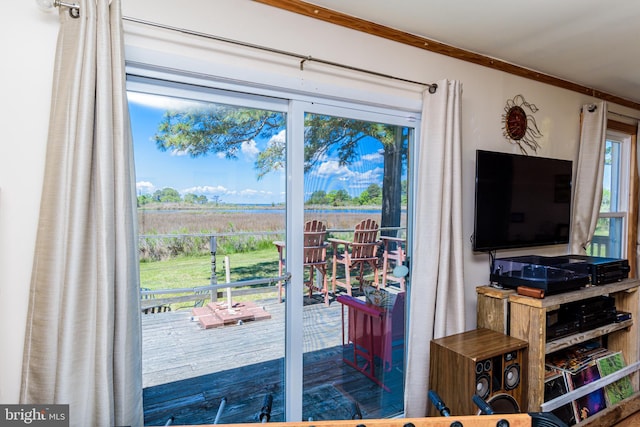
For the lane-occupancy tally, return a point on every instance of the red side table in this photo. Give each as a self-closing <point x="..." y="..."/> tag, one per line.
<point x="370" y="335"/>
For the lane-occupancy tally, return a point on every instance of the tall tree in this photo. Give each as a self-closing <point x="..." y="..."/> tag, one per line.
<point x="167" y="194"/>
<point x="318" y="197"/>
<point x="217" y="128"/>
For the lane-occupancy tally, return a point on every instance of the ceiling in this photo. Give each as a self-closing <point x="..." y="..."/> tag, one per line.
<point x="591" y="43"/>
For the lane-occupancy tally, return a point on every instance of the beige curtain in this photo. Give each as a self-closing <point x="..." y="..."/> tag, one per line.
<point x="587" y="193"/>
<point x="83" y="341"/>
<point x="436" y="304"/>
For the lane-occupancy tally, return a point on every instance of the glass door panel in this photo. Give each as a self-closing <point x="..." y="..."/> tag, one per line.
<point x="356" y="174"/>
<point x="211" y="202"/>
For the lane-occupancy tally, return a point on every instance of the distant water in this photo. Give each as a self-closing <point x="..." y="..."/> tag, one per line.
<point x="260" y="211"/>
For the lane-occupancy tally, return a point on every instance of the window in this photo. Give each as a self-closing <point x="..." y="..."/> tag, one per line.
<point x="615" y="225"/>
<point x="221" y="175"/>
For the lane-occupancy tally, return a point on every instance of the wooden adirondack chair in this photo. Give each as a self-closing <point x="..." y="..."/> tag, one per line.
<point x="394" y="254"/>
<point x="314" y="257"/>
<point x="356" y="254"/>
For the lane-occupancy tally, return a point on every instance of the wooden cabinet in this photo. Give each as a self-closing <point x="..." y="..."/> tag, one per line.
<point x="478" y="362"/>
<point x="526" y="319"/>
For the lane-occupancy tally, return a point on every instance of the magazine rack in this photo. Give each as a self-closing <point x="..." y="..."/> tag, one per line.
<point x="527" y="318"/>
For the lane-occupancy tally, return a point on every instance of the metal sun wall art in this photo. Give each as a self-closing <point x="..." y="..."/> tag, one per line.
<point x="519" y="127"/>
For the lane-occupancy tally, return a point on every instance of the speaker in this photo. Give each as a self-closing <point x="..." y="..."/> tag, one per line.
<point x="483" y="362"/>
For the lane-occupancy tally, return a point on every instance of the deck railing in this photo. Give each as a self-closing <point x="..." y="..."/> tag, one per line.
<point x="600" y="246"/>
<point x="151" y="301"/>
<point x="155" y="300"/>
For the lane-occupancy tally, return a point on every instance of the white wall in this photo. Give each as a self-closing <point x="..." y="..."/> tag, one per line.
<point x="28" y="47"/>
<point x="29" y="38"/>
<point x="485" y="91"/>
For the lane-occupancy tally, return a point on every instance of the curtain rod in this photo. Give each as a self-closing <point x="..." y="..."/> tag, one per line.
<point x="303" y="58"/>
<point x="623" y="115"/>
<point x="594" y="107"/>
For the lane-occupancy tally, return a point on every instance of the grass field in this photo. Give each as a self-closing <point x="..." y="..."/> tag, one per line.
<point x="192" y="271"/>
<point x="168" y="233"/>
<point x="195" y="271"/>
<point x="218" y="221"/>
<point x="175" y="244"/>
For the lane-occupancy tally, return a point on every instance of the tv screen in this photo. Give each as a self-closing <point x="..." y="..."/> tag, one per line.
<point x="521" y="201"/>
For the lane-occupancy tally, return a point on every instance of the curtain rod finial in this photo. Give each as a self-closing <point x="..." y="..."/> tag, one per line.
<point x="49" y="5"/>
<point x="433" y="88"/>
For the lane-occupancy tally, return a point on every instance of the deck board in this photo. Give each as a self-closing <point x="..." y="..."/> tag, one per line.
<point x="188" y="370"/>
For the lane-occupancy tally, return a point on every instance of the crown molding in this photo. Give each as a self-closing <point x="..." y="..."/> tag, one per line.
<point x="354" y="23"/>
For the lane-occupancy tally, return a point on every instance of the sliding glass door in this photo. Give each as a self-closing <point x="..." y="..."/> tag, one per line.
<point x="244" y="204"/>
<point x="355" y="184"/>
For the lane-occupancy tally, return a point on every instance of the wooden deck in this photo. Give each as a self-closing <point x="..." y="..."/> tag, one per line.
<point x="187" y="370"/>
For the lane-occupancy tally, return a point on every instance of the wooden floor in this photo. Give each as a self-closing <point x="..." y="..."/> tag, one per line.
<point x="188" y="371"/>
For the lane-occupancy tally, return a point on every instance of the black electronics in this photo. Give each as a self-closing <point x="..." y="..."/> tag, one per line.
<point x="581" y="316"/>
<point x="521" y="201"/>
<point x="592" y="312"/>
<point x="531" y="271"/>
<point x="602" y="270"/>
<point x="561" y="327"/>
<point x="622" y="316"/>
<point x="557" y="274"/>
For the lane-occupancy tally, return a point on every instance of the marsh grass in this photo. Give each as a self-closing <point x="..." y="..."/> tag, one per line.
<point x="168" y="233"/>
<point x="174" y="244"/>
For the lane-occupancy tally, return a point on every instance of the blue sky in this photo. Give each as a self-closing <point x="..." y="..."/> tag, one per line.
<point x="234" y="181"/>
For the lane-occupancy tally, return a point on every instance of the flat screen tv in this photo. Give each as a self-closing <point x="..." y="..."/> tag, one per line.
<point x="521" y="201"/>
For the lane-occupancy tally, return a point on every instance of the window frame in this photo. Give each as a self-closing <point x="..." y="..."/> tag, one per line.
<point x="627" y="133"/>
<point x="295" y="105"/>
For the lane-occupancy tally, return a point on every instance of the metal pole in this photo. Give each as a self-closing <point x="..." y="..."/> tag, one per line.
<point x="220" y="409"/>
<point x="213" y="246"/>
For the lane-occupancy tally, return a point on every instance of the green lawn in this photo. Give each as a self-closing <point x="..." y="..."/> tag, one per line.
<point x="192" y="271"/>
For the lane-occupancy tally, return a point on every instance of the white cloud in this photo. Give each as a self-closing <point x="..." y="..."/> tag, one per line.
<point x="249" y="149"/>
<point x="280" y="138"/>
<point x="332" y="168"/>
<point x="249" y="192"/>
<point x="180" y="153"/>
<point x="145" y="187"/>
<point x="207" y="190"/>
<point x="372" y="157"/>
<point x="362" y="180"/>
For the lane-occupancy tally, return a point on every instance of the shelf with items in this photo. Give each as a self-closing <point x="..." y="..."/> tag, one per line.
<point x="610" y="416"/>
<point x="553" y="301"/>
<point x="572" y="395"/>
<point x="503" y="310"/>
<point x="584" y="380"/>
<point x="528" y="321"/>
<point x="569" y="340"/>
